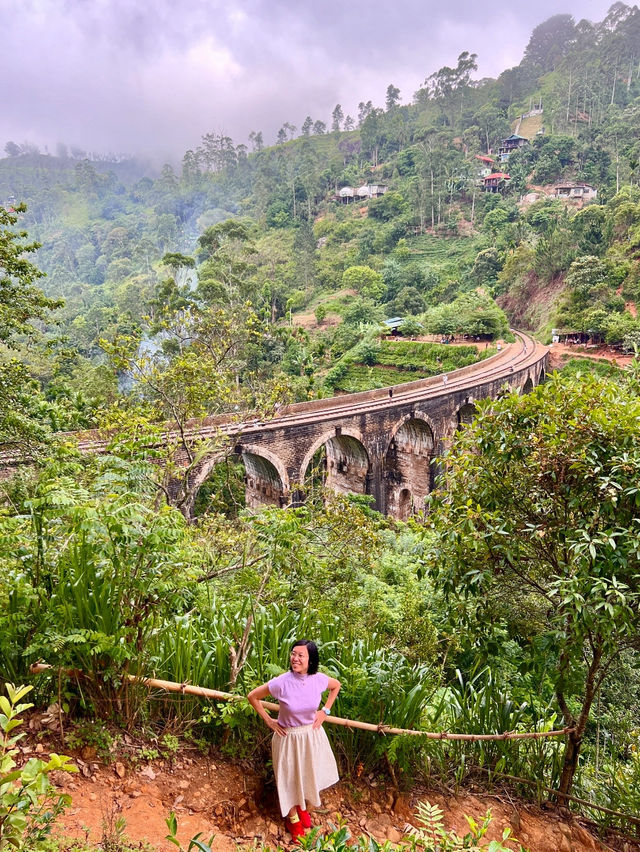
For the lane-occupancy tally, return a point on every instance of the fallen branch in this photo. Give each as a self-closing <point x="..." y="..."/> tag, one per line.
<point x="216" y="695"/>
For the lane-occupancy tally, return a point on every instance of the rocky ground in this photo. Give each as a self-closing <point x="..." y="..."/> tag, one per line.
<point x="233" y="802"/>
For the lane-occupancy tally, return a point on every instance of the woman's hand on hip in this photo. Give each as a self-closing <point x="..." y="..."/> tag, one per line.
<point x="275" y="727"/>
<point x="320" y="719"/>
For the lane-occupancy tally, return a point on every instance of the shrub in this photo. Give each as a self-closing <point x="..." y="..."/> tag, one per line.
<point x="28" y="801"/>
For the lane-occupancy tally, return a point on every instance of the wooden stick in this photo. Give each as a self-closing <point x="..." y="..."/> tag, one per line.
<point x="216" y="695"/>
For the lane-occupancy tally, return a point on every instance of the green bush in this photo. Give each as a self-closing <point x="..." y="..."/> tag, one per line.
<point x="29" y="803"/>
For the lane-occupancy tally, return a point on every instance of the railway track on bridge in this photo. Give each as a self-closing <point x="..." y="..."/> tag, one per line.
<point x="525" y="352"/>
<point x="515" y="357"/>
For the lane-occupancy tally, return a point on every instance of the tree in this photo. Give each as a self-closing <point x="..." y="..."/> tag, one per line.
<point x="365" y="281"/>
<point x="407" y="301"/>
<point x="363" y="312"/>
<point x="393" y="97"/>
<point x="257" y="142"/>
<point x="337" y="117"/>
<point x="536" y="530"/>
<point x="23" y="412"/>
<point x="12" y="149"/>
<point x="307" y="124"/>
<point x="194" y="362"/>
<point x="448" y="82"/>
<point x="550" y="41"/>
<point x="319" y="127"/>
<point x="364" y="109"/>
<point x="21" y="302"/>
<point x="372" y="133"/>
<point x="226" y="251"/>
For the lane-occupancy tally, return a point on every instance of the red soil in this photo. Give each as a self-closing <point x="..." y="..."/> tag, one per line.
<point x="231" y="801"/>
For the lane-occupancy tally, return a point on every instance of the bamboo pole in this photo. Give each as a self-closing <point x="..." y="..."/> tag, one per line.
<point x="216" y="695"/>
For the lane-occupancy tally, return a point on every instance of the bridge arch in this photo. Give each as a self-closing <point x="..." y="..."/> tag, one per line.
<point x="347" y="460"/>
<point x="528" y="385"/>
<point x="408" y="470"/>
<point x="267" y="481"/>
<point x="465" y="414"/>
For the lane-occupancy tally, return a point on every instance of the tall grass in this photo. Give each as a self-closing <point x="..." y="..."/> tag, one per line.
<point x="480" y="705"/>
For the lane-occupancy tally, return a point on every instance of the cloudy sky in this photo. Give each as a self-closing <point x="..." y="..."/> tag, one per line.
<point x="152" y="76"/>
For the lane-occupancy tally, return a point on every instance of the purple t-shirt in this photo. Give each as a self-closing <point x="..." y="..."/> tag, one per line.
<point x="299" y="696"/>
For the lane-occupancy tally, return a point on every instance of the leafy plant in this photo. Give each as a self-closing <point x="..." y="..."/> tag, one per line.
<point x="430" y="837"/>
<point x="28" y="801"/>
<point x="93" y="734"/>
<point x="194" y="843"/>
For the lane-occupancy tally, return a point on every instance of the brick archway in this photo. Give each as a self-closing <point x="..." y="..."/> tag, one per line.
<point x="348" y="461"/>
<point x="408" y="465"/>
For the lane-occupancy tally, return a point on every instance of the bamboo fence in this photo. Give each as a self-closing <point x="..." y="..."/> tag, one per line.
<point x="381" y="728"/>
<point x="216" y="695"/>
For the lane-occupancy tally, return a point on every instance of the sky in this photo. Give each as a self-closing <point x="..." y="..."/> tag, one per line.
<point x="150" y="77"/>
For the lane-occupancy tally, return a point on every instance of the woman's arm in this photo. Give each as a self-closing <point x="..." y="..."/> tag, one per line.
<point x="254" y="698"/>
<point x="334" y="688"/>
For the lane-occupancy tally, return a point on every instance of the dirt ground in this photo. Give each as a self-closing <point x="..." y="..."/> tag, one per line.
<point x="559" y="353"/>
<point x="233" y="802"/>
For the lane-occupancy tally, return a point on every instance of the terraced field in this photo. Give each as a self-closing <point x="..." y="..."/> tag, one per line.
<point x="404" y="361"/>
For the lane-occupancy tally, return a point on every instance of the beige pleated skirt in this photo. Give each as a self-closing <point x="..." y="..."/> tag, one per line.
<point x="303" y="764"/>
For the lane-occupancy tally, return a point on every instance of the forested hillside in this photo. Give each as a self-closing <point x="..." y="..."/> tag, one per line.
<point x="245" y="279"/>
<point x="434" y="235"/>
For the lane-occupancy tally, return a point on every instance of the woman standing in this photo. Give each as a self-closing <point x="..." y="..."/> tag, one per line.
<point x="303" y="762"/>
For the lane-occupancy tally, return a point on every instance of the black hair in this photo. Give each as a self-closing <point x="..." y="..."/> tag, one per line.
<point x="314" y="657"/>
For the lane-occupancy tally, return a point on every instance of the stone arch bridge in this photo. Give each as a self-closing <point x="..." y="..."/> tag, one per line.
<point x="384" y="442"/>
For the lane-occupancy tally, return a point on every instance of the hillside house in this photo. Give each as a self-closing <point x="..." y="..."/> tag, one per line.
<point x="580" y="191"/>
<point x="393" y="324"/>
<point x="495" y="182"/>
<point x="510" y="144"/>
<point x="485" y="167"/>
<point x="346" y="195"/>
<point x="371" y="190"/>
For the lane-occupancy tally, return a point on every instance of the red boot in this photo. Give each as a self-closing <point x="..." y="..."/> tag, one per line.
<point x="305" y="819"/>
<point x="295" y="829"/>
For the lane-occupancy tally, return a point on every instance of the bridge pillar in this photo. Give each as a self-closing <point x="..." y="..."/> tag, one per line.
<point x="348" y="467"/>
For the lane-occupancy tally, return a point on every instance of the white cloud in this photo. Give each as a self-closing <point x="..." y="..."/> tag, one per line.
<point x="153" y="77"/>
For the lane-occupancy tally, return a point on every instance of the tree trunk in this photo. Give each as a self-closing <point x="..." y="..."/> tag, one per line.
<point x="569" y="764"/>
<point x="574" y="739"/>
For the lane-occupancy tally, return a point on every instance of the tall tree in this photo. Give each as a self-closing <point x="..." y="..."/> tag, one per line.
<point x="337" y="117"/>
<point x="537" y="531"/>
<point x="21" y="302"/>
<point x="363" y="111"/>
<point x="393" y="97"/>
<point x="22" y="305"/>
<point x="550" y="41"/>
<point x="257" y="142"/>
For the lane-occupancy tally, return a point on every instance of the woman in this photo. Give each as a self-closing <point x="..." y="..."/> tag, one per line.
<point x="303" y="762"/>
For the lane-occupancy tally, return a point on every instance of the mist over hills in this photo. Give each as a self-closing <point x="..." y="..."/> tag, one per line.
<point x="435" y="235"/>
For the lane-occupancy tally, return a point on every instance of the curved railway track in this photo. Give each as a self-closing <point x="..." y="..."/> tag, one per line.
<point x="524" y="354"/>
